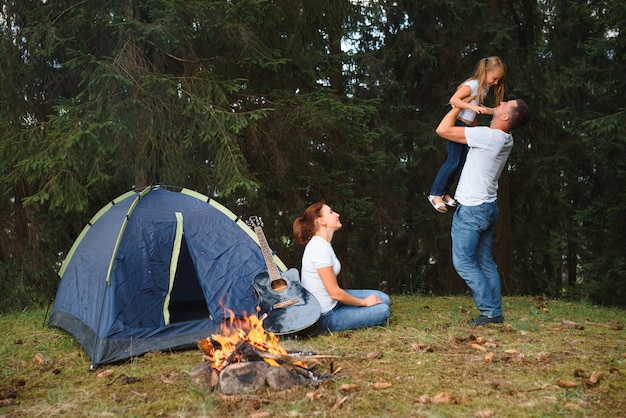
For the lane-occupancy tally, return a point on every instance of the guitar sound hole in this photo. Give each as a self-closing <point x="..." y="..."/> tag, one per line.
<point x="279" y="285"/>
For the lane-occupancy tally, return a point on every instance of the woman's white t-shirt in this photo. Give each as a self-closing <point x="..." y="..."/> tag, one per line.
<point x="319" y="253"/>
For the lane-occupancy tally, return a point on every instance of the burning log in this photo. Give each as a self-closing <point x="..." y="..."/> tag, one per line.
<point x="245" y="358"/>
<point x="249" y="377"/>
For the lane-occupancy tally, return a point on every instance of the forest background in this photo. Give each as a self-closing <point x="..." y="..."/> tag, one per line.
<point x="269" y="106"/>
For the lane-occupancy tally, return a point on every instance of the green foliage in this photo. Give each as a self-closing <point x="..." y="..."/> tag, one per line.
<point x="603" y="224"/>
<point x="270" y="106"/>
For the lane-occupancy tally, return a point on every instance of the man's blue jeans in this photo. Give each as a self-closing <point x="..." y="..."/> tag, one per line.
<point x="343" y="317"/>
<point x="472" y="240"/>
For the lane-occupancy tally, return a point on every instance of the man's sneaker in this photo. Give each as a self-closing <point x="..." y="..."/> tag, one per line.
<point x="483" y="319"/>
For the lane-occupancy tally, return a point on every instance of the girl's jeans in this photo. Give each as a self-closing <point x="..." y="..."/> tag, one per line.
<point x="451" y="166"/>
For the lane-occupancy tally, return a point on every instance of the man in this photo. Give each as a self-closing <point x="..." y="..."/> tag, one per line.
<point x="477" y="210"/>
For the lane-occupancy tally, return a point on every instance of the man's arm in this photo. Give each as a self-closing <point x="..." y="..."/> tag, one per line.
<point x="447" y="130"/>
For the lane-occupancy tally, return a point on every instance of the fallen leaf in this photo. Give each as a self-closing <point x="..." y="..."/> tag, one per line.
<point x="596" y="377"/>
<point x="313" y="395"/>
<point x="382" y="385"/>
<point x="613" y="325"/>
<point x="421" y="348"/>
<point x="130" y="380"/>
<point x="105" y="373"/>
<point x="542" y="356"/>
<point x="571" y="324"/>
<point x="373" y="355"/>
<point x="564" y="383"/>
<point x="39" y="358"/>
<point x="442" y="397"/>
<point x="166" y="380"/>
<point x="263" y="414"/>
<point x="520" y="358"/>
<point x="424" y="399"/>
<point x="572" y="405"/>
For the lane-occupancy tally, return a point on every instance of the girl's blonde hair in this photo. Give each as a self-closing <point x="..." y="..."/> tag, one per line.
<point x="484" y="66"/>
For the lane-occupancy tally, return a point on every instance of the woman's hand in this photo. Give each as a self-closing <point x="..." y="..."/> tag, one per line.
<point x="372" y="300"/>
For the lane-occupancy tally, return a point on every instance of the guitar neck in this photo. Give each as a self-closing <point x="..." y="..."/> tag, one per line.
<point x="267" y="255"/>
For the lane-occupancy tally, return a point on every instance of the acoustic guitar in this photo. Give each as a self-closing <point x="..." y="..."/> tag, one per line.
<point x="287" y="308"/>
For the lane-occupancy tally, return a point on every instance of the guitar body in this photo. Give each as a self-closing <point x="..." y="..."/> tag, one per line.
<point x="285" y="306"/>
<point x="301" y="312"/>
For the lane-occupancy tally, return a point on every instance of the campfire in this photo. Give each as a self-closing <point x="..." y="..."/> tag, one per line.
<point x="244" y="358"/>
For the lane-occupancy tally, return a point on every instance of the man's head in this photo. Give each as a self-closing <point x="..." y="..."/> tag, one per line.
<point x="519" y="114"/>
<point x="511" y="115"/>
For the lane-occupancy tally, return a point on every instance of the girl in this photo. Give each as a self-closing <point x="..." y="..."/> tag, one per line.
<point x="469" y="97"/>
<point x="340" y="309"/>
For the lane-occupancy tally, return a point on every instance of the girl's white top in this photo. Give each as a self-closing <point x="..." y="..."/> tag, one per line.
<point x="467" y="114"/>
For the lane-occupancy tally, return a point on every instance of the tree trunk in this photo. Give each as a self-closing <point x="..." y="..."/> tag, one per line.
<point x="503" y="243"/>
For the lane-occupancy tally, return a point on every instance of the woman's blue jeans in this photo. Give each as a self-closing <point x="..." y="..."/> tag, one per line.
<point x="451" y="166"/>
<point x="343" y="317"/>
<point x="472" y="240"/>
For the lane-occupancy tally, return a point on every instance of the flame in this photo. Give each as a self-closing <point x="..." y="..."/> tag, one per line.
<point x="235" y="333"/>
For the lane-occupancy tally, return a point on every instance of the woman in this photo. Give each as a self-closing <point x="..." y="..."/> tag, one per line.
<point x="340" y="309"/>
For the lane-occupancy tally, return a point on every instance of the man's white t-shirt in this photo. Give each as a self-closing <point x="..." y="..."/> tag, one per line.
<point x="488" y="151"/>
<point x="319" y="253"/>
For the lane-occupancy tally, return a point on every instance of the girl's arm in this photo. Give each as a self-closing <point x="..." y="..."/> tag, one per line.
<point x="461" y="99"/>
<point x="337" y="293"/>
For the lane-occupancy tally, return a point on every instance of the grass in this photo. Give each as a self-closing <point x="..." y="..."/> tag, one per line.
<point x="425" y="363"/>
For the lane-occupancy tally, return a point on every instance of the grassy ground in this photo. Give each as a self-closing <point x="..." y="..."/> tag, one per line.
<point x="549" y="359"/>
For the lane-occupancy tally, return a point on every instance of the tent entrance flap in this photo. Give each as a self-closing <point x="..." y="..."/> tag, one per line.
<point x="187" y="302"/>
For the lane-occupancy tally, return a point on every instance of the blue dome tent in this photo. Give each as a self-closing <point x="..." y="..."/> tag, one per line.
<point x="156" y="270"/>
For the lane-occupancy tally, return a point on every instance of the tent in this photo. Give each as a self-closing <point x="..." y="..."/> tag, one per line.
<point x="156" y="270"/>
